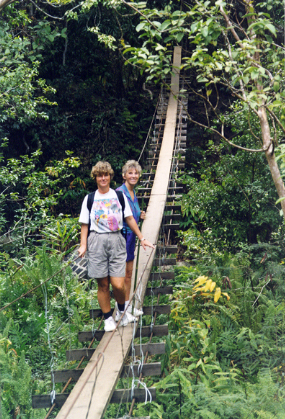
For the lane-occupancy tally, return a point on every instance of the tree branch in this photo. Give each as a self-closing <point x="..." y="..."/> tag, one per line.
<point x="225" y="139"/>
<point x="221" y="135"/>
<point x="140" y="13"/>
<point x="5" y="3"/>
<point x="275" y="117"/>
<point x="270" y="279"/>
<point x="229" y="25"/>
<point x="47" y="14"/>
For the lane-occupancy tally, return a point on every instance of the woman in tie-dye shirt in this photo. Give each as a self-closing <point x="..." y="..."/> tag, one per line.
<point x="106" y="245"/>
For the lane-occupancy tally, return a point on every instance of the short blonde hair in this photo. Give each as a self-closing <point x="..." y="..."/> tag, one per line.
<point x="131" y="164"/>
<point x="100" y="168"/>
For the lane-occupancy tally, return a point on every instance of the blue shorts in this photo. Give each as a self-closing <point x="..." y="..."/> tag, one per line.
<point x="130" y="245"/>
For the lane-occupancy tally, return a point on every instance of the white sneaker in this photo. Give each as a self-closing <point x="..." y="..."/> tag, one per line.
<point x="127" y="318"/>
<point x="109" y="324"/>
<point x="136" y="312"/>
<point x="130" y="317"/>
<point x="118" y="315"/>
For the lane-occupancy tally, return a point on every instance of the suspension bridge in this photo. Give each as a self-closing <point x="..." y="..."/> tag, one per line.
<point x="118" y="354"/>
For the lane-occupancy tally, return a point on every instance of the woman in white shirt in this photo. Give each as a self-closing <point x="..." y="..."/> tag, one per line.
<point x="105" y="243"/>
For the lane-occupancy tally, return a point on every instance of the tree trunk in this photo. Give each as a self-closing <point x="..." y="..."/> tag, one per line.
<point x="270" y="156"/>
<point x="4" y="3"/>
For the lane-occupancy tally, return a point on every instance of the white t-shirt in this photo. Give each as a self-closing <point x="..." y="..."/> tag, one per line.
<point x="106" y="212"/>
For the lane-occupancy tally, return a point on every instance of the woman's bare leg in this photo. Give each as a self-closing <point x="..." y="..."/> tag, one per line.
<point x="128" y="278"/>
<point x="118" y="288"/>
<point x="104" y="294"/>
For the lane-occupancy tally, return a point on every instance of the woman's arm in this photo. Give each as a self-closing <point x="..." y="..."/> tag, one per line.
<point x="83" y="240"/>
<point x="134" y="227"/>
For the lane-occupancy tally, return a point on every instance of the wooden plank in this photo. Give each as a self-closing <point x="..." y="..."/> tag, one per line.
<point x="168" y="249"/>
<point x="171" y="188"/>
<point x="180" y="152"/>
<point x="124" y="396"/>
<point x="164" y="262"/>
<point x="165" y="309"/>
<point x="77" y="354"/>
<point x="160" y="290"/>
<point x="148" y="174"/>
<point x="158" y="330"/>
<point x="162" y="275"/>
<point x="147" y="370"/>
<point x="94" y="313"/>
<point x="174" y="207"/>
<point x="171" y="226"/>
<point x="155" y="158"/>
<point x="61" y="376"/>
<point x="151" y="348"/>
<point x="88" y="335"/>
<point x="108" y="372"/>
<point x="169" y="197"/>
<point x="168" y="217"/>
<point x="43" y="401"/>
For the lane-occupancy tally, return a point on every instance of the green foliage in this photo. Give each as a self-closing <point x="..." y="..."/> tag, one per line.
<point x="29" y="196"/>
<point x="23" y="326"/>
<point x="62" y="235"/>
<point x="227" y="53"/>
<point x="225" y="359"/>
<point x="15" y="381"/>
<point x="230" y="199"/>
<point x="20" y="84"/>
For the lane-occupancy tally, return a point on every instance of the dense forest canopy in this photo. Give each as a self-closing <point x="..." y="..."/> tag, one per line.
<point x="79" y="83"/>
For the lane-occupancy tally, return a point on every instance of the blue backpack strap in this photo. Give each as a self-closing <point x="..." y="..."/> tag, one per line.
<point x="90" y="201"/>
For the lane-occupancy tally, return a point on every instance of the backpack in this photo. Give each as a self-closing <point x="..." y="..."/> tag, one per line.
<point x="90" y="201"/>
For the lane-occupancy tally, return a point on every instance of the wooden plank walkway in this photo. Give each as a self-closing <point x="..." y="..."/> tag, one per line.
<point x="95" y="387"/>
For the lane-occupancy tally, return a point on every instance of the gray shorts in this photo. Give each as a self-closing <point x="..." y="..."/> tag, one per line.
<point x="106" y="255"/>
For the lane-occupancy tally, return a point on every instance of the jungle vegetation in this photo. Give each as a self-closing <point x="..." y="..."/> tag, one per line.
<point x="79" y="83"/>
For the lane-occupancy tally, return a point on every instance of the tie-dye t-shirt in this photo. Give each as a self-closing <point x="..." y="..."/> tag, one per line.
<point x="106" y="212"/>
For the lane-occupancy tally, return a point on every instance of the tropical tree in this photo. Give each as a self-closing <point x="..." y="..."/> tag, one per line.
<point x="230" y="48"/>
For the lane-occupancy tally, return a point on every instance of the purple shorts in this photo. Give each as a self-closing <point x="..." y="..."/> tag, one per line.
<point x="130" y="245"/>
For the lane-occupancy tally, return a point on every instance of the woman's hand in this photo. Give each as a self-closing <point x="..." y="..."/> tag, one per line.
<point x="134" y="227"/>
<point x="142" y="216"/>
<point x="83" y="241"/>
<point x="82" y="250"/>
<point x="145" y="243"/>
